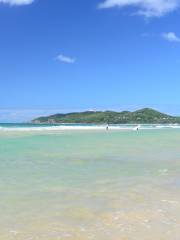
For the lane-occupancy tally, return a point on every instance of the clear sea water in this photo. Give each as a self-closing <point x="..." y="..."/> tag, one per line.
<point x="89" y="184"/>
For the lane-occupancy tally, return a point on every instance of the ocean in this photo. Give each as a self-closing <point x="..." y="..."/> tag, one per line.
<point x="81" y="182"/>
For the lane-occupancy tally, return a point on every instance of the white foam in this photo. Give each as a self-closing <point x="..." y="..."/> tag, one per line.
<point x="62" y="128"/>
<point x="87" y="128"/>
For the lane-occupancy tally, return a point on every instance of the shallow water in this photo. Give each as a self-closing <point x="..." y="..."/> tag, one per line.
<point x="78" y="185"/>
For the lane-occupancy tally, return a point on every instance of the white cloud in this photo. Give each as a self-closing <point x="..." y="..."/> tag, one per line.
<point x="171" y="37"/>
<point x="26" y="115"/>
<point x="147" y="8"/>
<point x="17" y="2"/>
<point x="66" y="59"/>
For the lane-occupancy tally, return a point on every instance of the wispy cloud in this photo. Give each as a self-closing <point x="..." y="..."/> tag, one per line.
<point x="26" y="115"/>
<point x="171" y="37"/>
<point x="17" y="2"/>
<point x="147" y="8"/>
<point x="65" y="59"/>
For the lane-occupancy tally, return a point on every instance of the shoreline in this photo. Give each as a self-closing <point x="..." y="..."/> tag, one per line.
<point x="125" y="127"/>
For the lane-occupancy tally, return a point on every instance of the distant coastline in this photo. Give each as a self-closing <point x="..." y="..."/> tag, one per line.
<point x="142" y="116"/>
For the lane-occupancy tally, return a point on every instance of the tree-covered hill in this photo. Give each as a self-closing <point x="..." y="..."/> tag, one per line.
<point x="145" y="115"/>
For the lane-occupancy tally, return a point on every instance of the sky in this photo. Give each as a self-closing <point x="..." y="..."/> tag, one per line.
<point x="75" y="55"/>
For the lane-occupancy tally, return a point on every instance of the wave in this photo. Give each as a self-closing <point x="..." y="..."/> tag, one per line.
<point x="128" y="127"/>
<point x="63" y="128"/>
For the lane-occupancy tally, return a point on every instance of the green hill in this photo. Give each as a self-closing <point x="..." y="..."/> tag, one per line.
<point x="145" y="115"/>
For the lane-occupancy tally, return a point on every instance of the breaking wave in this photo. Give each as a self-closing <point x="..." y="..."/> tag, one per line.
<point x="64" y="127"/>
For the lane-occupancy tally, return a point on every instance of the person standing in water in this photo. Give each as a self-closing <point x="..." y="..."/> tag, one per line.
<point x="107" y="127"/>
<point x="137" y="128"/>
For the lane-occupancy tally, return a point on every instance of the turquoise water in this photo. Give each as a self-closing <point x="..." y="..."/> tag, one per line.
<point x="105" y="185"/>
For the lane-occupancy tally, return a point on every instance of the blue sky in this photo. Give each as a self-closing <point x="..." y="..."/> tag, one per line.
<point x="69" y="55"/>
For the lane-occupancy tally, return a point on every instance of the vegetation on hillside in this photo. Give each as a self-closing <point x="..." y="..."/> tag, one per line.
<point x="145" y="115"/>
